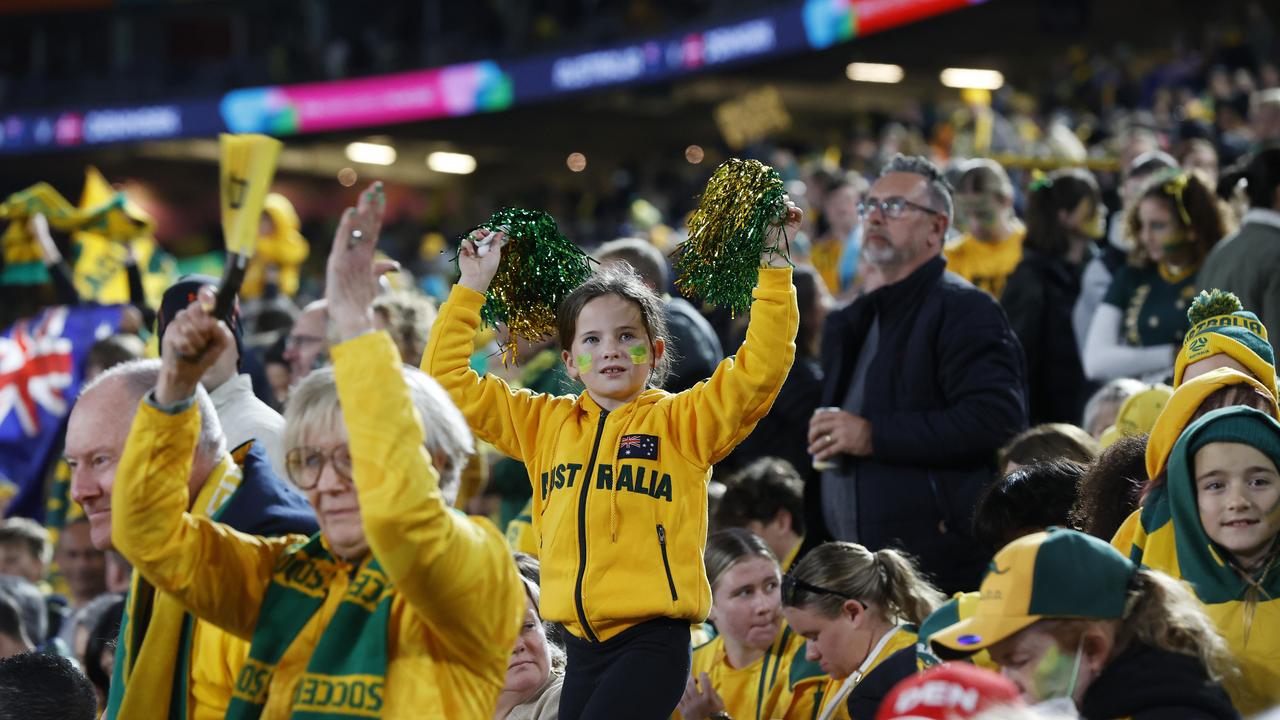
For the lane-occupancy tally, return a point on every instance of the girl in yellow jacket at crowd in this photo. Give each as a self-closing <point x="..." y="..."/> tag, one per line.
<point x="399" y="607"/>
<point x="854" y="608"/>
<point x="619" y="472"/>
<point x="753" y="651"/>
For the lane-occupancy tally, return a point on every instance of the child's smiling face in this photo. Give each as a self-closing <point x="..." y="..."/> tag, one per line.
<point x="612" y="353"/>
<point x="1238" y="491"/>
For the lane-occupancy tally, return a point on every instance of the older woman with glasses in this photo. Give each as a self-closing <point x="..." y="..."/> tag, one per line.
<point x="855" y="608"/>
<point x="376" y="615"/>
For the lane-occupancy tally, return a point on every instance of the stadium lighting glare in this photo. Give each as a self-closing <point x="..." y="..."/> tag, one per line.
<point x="874" y="72"/>
<point x="972" y="79"/>
<point x="452" y="163"/>
<point x="371" y="153"/>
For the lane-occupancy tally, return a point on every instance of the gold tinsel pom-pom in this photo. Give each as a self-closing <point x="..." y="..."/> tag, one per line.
<point x="738" y="219"/>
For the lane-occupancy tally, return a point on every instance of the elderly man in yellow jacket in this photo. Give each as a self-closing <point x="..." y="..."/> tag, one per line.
<point x="399" y="607"/>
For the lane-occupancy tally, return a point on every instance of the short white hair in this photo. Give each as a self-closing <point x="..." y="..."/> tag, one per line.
<point x="139" y="377"/>
<point x="314" y="406"/>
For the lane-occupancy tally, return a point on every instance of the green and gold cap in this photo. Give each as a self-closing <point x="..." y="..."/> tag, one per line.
<point x="1058" y="573"/>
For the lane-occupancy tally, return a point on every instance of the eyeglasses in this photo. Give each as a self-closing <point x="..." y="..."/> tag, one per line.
<point x="892" y="207"/>
<point x="305" y="464"/>
<point x="295" y="341"/>
<point x="790" y="584"/>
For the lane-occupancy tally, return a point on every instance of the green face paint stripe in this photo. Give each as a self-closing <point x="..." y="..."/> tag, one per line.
<point x="1051" y="677"/>
<point x="583" y="361"/>
<point x="639" y="354"/>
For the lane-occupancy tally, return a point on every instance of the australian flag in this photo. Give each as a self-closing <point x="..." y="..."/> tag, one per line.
<point x="41" y="367"/>
<point x="641" y="447"/>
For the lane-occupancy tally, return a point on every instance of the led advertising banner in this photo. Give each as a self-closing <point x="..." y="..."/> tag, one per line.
<point x="469" y="88"/>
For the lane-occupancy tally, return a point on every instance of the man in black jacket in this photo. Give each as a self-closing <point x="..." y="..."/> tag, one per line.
<point x="924" y="382"/>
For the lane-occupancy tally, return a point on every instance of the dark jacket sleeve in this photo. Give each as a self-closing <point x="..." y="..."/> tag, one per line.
<point x="138" y="296"/>
<point x="64" y="287"/>
<point x="982" y="377"/>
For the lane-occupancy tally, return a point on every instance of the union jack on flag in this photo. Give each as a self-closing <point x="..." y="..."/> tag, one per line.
<point x="41" y="368"/>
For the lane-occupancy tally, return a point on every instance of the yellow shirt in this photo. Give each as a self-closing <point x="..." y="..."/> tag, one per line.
<point x="748" y="692"/>
<point x="825" y="698"/>
<point x="824" y="255"/>
<point x="987" y="265"/>
<point x="447" y="654"/>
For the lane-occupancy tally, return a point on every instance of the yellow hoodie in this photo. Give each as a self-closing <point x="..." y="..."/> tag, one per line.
<point x="447" y="653"/>
<point x="620" y="498"/>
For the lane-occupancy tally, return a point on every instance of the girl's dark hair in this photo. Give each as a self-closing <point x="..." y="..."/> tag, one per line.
<point x="1030" y="498"/>
<point x="1060" y="190"/>
<point x="1109" y="490"/>
<point x="1049" y="441"/>
<point x="1193" y="206"/>
<point x="621" y="280"/>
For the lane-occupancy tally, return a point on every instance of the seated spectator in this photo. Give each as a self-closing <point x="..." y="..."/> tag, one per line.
<point x="1139" y="327"/>
<point x="40" y="686"/>
<point x="1200" y="156"/>
<point x="1070" y="619"/>
<point x="307" y="345"/>
<point x="854" y="608"/>
<point x="86" y="619"/>
<point x="25" y="549"/>
<point x="1138" y="414"/>
<point x="737" y="671"/>
<point x="767" y="498"/>
<point x="1110" y="488"/>
<point x="1103" y="406"/>
<point x="1224" y="334"/>
<point x="379" y="466"/>
<point x="535" y="672"/>
<point x="991" y="246"/>
<point x="1027" y="500"/>
<point x="1051" y="441"/>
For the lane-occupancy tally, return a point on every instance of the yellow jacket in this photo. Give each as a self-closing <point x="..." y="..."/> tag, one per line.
<point x="749" y="692"/>
<point x="811" y="692"/>
<point x="447" y="653"/>
<point x="621" y="540"/>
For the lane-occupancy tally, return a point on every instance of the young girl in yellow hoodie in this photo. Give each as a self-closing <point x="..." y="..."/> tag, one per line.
<point x="619" y="472"/>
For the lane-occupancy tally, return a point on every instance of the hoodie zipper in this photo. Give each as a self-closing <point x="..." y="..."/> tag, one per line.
<point x="582" y="531"/>
<point x="666" y="564"/>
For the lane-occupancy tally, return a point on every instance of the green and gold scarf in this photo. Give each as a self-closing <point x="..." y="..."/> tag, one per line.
<point x="346" y="675"/>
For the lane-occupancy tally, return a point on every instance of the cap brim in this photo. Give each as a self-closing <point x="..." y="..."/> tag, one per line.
<point x="979" y="633"/>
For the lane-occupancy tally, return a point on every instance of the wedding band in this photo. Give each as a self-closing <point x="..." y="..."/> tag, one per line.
<point x="356" y="234"/>
<point x="826" y="439"/>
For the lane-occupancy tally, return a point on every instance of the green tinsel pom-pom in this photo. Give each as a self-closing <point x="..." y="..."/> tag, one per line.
<point x="539" y="267"/>
<point x="738" y="219"/>
<point x="1212" y="303"/>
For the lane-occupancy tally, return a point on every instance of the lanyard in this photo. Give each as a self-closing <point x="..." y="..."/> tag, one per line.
<point x="846" y="687"/>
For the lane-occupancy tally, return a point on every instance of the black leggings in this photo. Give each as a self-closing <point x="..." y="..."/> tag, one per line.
<point x="639" y="673"/>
